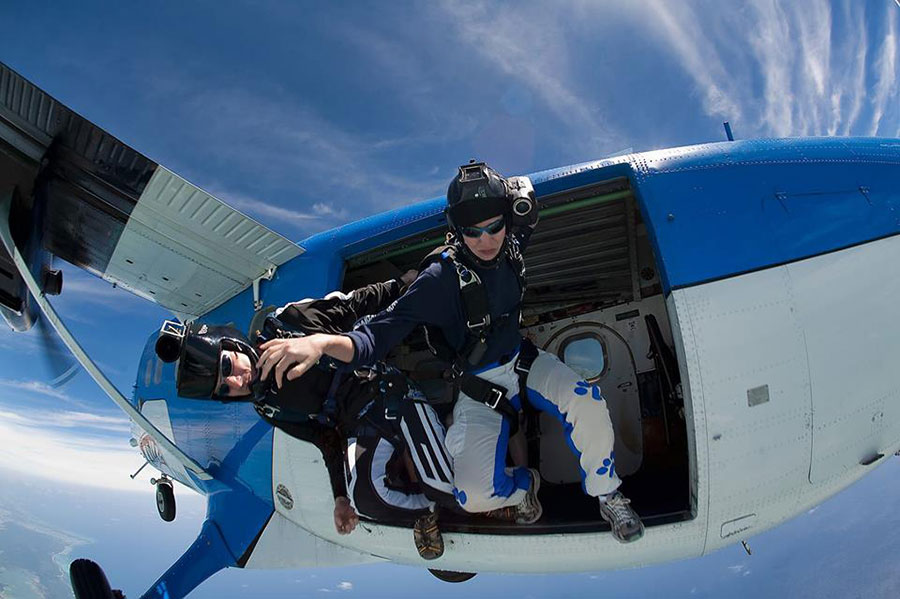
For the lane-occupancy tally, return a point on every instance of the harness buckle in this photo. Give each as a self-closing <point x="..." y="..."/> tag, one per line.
<point x="365" y="374"/>
<point x="496" y="397"/>
<point x="521" y="366"/>
<point x="478" y="326"/>
<point x="456" y="371"/>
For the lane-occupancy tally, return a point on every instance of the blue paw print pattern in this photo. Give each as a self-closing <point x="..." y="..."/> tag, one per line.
<point x="582" y="389"/>
<point x="460" y="496"/>
<point x="609" y="465"/>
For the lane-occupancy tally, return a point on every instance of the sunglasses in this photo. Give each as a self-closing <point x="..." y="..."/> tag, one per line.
<point x="226" y="367"/>
<point x="491" y="228"/>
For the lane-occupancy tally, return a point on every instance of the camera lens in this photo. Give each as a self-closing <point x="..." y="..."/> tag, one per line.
<point x="522" y="206"/>
<point x="168" y="347"/>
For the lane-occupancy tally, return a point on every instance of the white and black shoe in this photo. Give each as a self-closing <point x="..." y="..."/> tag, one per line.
<point x="529" y="510"/>
<point x="625" y="523"/>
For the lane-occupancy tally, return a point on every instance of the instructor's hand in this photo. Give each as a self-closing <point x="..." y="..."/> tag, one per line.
<point x="294" y="356"/>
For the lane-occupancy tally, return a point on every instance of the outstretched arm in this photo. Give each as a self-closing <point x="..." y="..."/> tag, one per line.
<point x="429" y="300"/>
<point x="296" y="356"/>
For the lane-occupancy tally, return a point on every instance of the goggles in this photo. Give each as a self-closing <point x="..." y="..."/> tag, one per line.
<point x="226" y="367"/>
<point x="492" y="228"/>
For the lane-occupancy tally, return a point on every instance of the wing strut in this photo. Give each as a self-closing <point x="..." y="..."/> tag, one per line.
<point x="79" y="353"/>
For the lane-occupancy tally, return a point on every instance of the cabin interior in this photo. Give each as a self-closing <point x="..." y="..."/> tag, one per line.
<point x="595" y="299"/>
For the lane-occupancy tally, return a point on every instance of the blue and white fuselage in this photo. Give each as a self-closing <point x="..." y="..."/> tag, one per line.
<point x="771" y="254"/>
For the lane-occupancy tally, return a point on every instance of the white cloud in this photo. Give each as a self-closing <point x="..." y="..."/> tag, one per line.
<point x="276" y="139"/>
<point x="59" y="455"/>
<point x="34" y="387"/>
<point x="849" y="77"/>
<point x="885" y="85"/>
<point x="782" y="68"/>
<point x="682" y="28"/>
<point x="345" y="586"/>
<point x="530" y="46"/>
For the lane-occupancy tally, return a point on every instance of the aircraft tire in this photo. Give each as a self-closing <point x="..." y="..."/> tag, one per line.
<point x="165" y="501"/>
<point x="450" y="576"/>
<point x="89" y="581"/>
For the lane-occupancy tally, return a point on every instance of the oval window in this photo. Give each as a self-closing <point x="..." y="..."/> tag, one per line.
<point x="585" y="354"/>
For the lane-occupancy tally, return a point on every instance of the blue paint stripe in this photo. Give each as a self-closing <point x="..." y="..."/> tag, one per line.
<point x="504" y="484"/>
<point x="544" y="405"/>
<point x="721" y="210"/>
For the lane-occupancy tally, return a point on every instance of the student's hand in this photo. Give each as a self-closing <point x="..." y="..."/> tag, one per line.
<point x="294" y="356"/>
<point x="345" y="518"/>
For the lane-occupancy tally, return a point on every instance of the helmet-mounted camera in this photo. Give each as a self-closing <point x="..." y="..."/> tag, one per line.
<point x="522" y="202"/>
<point x="197" y="348"/>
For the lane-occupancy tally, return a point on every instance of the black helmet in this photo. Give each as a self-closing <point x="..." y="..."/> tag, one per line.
<point x="476" y="194"/>
<point x="197" y="348"/>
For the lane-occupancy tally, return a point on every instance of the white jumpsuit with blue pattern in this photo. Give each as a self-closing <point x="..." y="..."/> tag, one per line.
<point x="479" y="436"/>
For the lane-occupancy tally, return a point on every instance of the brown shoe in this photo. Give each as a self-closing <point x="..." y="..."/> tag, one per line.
<point x="428" y="537"/>
<point x="507" y="514"/>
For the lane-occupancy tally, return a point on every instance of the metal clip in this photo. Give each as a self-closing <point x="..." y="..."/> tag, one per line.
<point x="270" y="272"/>
<point x="498" y="396"/>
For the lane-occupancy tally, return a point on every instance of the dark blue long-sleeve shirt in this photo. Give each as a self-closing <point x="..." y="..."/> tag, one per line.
<point x="434" y="299"/>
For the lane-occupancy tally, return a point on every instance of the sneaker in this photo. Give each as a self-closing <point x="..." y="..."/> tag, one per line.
<point x="626" y="524"/>
<point x="427" y="536"/>
<point x="529" y="510"/>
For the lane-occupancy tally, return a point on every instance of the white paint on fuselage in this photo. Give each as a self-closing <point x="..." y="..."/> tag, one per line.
<point x="820" y="336"/>
<point x="157" y="412"/>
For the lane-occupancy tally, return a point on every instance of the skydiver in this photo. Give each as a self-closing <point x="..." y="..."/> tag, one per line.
<point x="470" y="292"/>
<point x="368" y="416"/>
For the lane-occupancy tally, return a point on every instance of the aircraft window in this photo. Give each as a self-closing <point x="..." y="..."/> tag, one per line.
<point x="157" y="376"/>
<point x="148" y="372"/>
<point x="585" y="354"/>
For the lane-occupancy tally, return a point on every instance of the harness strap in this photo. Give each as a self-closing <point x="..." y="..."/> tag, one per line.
<point x="491" y="395"/>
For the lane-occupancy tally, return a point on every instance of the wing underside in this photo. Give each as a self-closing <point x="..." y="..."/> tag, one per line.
<point x="121" y="216"/>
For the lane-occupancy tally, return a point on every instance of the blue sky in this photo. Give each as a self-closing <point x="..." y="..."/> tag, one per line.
<point x="309" y="115"/>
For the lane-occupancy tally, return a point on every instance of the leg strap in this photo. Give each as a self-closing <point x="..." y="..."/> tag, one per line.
<point x="493" y="396"/>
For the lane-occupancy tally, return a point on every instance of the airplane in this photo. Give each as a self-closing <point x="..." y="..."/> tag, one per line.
<point x="732" y="299"/>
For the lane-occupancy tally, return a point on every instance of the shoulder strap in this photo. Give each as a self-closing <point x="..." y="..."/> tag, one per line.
<point x="514" y="254"/>
<point x="474" y="300"/>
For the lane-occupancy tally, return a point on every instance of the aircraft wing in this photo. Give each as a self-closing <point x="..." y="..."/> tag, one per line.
<point x="120" y="215"/>
<point x="69" y="189"/>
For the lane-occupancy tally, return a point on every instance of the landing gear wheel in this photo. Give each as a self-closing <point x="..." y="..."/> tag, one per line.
<point x="165" y="500"/>
<point x="449" y="576"/>
<point x="89" y="581"/>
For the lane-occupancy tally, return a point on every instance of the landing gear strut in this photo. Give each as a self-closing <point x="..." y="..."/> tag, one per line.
<point x="165" y="497"/>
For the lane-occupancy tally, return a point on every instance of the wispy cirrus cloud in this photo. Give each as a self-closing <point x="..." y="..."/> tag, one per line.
<point x="529" y="45"/>
<point x="305" y="159"/>
<point x="885" y="67"/>
<point x="785" y="68"/>
<point x="35" y="387"/>
<point x="681" y="27"/>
